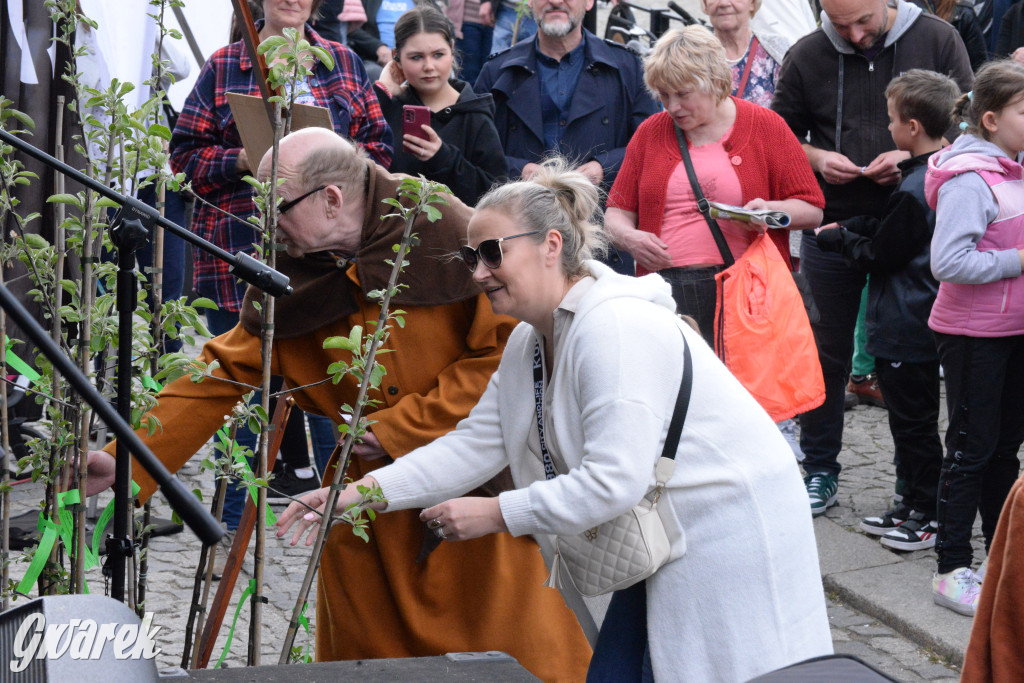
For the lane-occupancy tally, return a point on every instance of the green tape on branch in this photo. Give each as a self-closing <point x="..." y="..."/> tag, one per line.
<point x="18" y="364"/>
<point x="249" y="590"/>
<point x="304" y="623"/>
<point x="46" y="542"/>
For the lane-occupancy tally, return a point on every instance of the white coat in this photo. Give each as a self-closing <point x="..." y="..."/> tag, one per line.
<point x="746" y="596"/>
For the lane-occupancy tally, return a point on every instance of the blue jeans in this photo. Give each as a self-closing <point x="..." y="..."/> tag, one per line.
<point x="621" y="654"/>
<point x="504" y="24"/>
<point x="837" y="289"/>
<point x="473" y="47"/>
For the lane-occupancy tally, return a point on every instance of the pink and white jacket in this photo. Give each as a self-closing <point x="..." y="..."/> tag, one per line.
<point x="978" y="194"/>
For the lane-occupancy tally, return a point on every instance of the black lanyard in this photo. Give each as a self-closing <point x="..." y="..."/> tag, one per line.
<point x="538" y="396"/>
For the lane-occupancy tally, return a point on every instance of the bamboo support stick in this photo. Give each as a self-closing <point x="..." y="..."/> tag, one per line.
<point x="346" y="449"/>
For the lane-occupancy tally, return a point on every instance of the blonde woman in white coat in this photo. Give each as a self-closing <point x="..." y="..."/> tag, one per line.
<point x="741" y="594"/>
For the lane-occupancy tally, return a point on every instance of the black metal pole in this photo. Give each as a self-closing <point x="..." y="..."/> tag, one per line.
<point x="181" y="500"/>
<point x="243" y="266"/>
<point x="128" y="236"/>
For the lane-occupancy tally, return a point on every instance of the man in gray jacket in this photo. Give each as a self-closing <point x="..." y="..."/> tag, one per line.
<point x="831" y="93"/>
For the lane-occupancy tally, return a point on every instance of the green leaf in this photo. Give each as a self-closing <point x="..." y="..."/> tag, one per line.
<point x="107" y="202"/>
<point x="270" y="43"/>
<point x="64" y="199"/>
<point x="433" y="213"/>
<point x="258" y="306"/>
<point x="160" y="131"/>
<point x="26" y="120"/>
<point x="324" y="57"/>
<point x="203" y="302"/>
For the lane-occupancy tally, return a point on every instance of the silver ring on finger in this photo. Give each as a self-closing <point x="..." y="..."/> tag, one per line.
<point x="434" y="523"/>
<point x="440" y="533"/>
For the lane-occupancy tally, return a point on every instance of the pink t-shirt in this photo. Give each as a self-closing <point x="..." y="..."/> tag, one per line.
<point x="684" y="229"/>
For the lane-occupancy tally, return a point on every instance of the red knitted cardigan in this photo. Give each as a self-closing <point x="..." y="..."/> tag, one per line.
<point x="768" y="158"/>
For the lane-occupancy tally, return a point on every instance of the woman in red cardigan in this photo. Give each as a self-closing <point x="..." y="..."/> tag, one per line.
<point x="743" y="155"/>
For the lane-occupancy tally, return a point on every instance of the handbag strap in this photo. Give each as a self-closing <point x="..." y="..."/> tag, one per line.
<point x="702" y="202"/>
<point x="751" y="51"/>
<point x="675" y="427"/>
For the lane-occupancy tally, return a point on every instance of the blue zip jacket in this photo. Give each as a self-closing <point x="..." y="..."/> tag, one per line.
<point x="608" y="104"/>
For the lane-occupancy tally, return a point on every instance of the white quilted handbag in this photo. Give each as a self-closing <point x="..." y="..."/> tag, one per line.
<point x="620" y="552"/>
<point x="631" y="547"/>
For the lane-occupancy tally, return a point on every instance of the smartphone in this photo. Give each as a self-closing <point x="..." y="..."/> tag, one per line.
<point x="414" y="116"/>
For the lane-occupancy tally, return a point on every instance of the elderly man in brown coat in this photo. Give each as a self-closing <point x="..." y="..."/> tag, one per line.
<point x="374" y="599"/>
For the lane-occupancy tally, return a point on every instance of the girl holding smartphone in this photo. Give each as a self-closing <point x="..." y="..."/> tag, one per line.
<point x="460" y="146"/>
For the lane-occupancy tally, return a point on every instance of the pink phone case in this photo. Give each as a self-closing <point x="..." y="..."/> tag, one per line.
<point x="414" y="116"/>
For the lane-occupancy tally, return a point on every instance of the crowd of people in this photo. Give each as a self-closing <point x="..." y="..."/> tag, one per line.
<point x="580" y="176"/>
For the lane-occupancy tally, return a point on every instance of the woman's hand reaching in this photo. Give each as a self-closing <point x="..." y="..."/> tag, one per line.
<point x="461" y="519"/>
<point x="300" y="514"/>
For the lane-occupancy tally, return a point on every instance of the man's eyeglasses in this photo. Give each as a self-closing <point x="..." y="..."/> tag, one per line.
<point x="290" y="204"/>
<point x="488" y="251"/>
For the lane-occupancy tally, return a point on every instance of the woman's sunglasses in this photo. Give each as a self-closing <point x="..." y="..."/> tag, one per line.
<point x="488" y="251"/>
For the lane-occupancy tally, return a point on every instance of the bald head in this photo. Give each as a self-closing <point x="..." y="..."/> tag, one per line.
<point x="861" y="22"/>
<point x="297" y="148"/>
<point x="321" y="173"/>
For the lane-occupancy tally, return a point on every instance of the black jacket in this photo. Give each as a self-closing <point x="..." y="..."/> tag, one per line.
<point x="470" y="159"/>
<point x="966" y="23"/>
<point x="1011" y="31"/>
<point x="365" y="40"/>
<point x="823" y="71"/>
<point x="896" y="251"/>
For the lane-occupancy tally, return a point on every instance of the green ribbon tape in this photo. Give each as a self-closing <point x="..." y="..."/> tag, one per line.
<point x="18" y="364"/>
<point x="304" y="623"/>
<point x="249" y="590"/>
<point x="62" y="526"/>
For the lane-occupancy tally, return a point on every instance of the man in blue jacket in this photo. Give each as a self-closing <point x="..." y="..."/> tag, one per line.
<point x="566" y="92"/>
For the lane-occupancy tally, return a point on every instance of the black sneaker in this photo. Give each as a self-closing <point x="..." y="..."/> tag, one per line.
<point x="879" y="525"/>
<point x="916" y="533"/>
<point x="285" y="484"/>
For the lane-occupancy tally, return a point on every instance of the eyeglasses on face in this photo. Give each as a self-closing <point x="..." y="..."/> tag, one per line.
<point x="290" y="204"/>
<point x="488" y="251"/>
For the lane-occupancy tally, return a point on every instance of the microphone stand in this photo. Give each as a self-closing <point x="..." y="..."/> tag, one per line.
<point x="129" y="231"/>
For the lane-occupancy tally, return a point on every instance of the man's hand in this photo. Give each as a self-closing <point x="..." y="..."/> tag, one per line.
<point x="383" y="55"/>
<point x="464" y="518"/>
<point x="836" y="168"/>
<point x="100" y="470"/>
<point x="486" y="14"/>
<point x="529" y="170"/>
<point x="593" y="171"/>
<point x="884" y="170"/>
<point x="830" y="226"/>
<point x="369" y="448"/>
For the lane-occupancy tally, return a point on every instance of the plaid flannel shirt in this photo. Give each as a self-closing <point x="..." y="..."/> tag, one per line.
<point x="206" y="144"/>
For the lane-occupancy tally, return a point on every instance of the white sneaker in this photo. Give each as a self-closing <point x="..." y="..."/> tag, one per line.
<point x="980" y="574"/>
<point x="957" y="590"/>
<point x="788" y="429"/>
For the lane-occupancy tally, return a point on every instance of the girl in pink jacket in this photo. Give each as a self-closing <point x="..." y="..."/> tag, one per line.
<point x="977" y="189"/>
